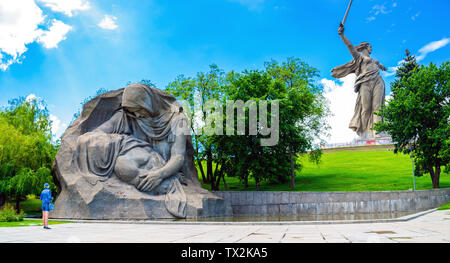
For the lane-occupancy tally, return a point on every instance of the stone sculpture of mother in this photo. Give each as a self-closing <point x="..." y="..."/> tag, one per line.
<point x="138" y="152"/>
<point x="369" y="85"/>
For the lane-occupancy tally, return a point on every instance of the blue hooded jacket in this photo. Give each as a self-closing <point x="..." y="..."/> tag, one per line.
<point x="46" y="196"/>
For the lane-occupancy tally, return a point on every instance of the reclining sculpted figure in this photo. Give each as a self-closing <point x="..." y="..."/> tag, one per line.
<point x="144" y="142"/>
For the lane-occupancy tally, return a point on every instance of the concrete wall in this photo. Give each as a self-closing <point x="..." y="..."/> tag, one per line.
<point x="317" y="203"/>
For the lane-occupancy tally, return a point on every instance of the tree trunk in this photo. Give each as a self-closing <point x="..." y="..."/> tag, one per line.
<point x="209" y="164"/>
<point x="200" y="166"/>
<point x="225" y="187"/>
<point x="258" y="187"/>
<point x="246" y="181"/>
<point x="435" y="174"/>
<point x="291" y="156"/>
<point x="2" y="200"/>
<point x="215" y="182"/>
<point x="18" y="204"/>
<point x="199" y="160"/>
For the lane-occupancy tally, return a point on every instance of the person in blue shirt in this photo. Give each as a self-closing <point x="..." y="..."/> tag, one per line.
<point x="46" y="198"/>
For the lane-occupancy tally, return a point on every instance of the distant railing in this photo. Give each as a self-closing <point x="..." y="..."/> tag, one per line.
<point x="357" y="142"/>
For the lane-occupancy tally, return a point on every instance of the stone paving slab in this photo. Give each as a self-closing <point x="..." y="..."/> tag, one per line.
<point x="429" y="227"/>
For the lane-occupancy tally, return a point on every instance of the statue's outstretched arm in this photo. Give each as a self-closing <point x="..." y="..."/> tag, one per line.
<point x="347" y="42"/>
<point x="383" y="68"/>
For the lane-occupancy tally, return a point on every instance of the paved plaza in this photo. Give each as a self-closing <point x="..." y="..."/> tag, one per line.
<point x="430" y="227"/>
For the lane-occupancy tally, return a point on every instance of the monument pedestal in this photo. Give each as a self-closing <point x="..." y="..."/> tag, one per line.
<point x="378" y="140"/>
<point x="114" y="200"/>
<point x="85" y="167"/>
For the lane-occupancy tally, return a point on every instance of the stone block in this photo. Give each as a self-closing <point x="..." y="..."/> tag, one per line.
<point x="257" y="198"/>
<point x="362" y="207"/>
<point x="236" y="198"/>
<point x="273" y="210"/>
<point x="295" y="197"/>
<point x="285" y="198"/>
<point x="261" y="210"/>
<point x="249" y="198"/>
<point x="286" y="209"/>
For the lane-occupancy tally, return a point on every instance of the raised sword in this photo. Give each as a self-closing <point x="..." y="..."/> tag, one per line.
<point x="346" y="13"/>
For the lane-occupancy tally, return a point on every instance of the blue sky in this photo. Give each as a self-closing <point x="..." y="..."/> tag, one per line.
<point x="63" y="51"/>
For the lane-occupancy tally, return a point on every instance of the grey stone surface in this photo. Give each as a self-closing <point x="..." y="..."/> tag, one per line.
<point x="129" y="155"/>
<point x="316" y="203"/>
<point x="431" y="227"/>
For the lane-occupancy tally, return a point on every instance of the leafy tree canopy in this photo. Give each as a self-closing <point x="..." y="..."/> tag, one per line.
<point x="417" y="117"/>
<point x="26" y="149"/>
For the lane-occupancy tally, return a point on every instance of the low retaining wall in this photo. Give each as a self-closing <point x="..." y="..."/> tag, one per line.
<point x="317" y="203"/>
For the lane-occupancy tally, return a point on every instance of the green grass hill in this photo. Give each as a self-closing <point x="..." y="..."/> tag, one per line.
<point x="368" y="168"/>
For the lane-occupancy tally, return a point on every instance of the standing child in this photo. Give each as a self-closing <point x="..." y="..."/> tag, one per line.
<point x="46" y="198"/>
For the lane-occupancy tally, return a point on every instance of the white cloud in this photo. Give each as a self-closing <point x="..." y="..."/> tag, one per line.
<point x="423" y="52"/>
<point x="250" y="4"/>
<point x="414" y="17"/>
<point x="371" y="18"/>
<point x="38" y="100"/>
<point x="379" y="9"/>
<point x="431" y="47"/>
<point x="66" y="6"/>
<point x="30" y="97"/>
<point x="388" y="98"/>
<point x="5" y="64"/>
<point x="58" y="127"/>
<point x="22" y="22"/>
<point x="390" y="72"/>
<point x="342" y="99"/>
<point x="19" y="22"/>
<point x="108" y="22"/>
<point x="56" y="33"/>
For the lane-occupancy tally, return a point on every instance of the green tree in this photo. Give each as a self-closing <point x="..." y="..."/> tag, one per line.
<point x="417" y="117"/>
<point x="26" y="150"/>
<point x="196" y="92"/>
<point x="302" y="111"/>
<point x="403" y="72"/>
<point x="242" y="154"/>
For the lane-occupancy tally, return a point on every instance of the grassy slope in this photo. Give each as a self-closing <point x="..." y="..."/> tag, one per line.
<point x="357" y="169"/>
<point x="445" y="207"/>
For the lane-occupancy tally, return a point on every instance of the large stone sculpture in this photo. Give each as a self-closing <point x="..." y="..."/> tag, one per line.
<point x="129" y="155"/>
<point x="369" y="85"/>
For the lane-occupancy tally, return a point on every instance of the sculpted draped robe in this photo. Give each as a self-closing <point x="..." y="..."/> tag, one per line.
<point x="97" y="151"/>
<point x="371" y="92"/>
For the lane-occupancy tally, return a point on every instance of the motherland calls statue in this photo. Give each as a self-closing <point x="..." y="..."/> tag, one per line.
<point x="129" y="155"/>
<point x="369" y="85"/>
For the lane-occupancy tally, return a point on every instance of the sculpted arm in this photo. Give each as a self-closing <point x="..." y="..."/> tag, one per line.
<point x="176" y="158"/>
<point x="347" y="42"/>
<point x="383" y="68"/>
<point x="176" y="161"/>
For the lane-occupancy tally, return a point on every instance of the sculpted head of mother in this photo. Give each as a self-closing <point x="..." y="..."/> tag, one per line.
<point x="145" y="101"/>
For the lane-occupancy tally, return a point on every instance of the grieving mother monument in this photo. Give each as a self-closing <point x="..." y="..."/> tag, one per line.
<point x="369" y="85"/>
<point x="129" y="155"/>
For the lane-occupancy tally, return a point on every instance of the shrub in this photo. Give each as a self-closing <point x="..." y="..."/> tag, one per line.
<point x="8" y="214"/>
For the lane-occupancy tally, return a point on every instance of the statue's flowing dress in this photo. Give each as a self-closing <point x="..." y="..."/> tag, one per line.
<point x="371" y="92"/>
